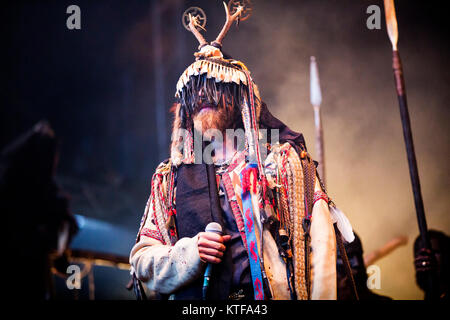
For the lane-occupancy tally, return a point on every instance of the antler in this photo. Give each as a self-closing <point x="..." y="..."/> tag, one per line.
<point x="228" y="23"/>
<point x="193" y="24"/>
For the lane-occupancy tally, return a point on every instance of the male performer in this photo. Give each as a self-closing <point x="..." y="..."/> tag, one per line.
<point x="278" y="237"/>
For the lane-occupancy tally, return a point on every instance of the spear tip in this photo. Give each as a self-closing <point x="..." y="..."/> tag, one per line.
<point x="315" y="92"/>
<point x="391" y="22"/>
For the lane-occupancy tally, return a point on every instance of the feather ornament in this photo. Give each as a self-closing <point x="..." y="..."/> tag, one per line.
<point x="343" y="224"/>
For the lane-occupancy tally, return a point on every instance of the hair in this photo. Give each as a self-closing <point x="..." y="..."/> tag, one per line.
<point x="224" y="95"/>
<point x="231" y="99"/>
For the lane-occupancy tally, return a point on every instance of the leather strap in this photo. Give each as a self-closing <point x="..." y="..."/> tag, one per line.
<point x="348" y="269"/>
<point x="309" y="172"/>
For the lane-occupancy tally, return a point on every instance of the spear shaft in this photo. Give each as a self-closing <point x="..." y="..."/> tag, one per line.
<point x="409" y="143"/>
<point x="319" y="143"/>
<point x="391" y="23"/>
<point x="316" y="100"/>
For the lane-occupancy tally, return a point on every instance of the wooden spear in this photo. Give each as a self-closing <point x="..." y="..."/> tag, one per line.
<point x="391" y="23"/>
<point x="316" y="101"/>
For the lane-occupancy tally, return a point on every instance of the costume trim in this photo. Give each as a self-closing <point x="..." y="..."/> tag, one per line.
<point x="151" y="234"/>
<point x="320" y="195"/>
<point x="231" y="195"/>
<point x="297" y="213"/>
<point x="219" y="69"/>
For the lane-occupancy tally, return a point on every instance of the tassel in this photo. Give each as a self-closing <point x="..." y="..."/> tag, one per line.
<point x="343" y="224"/>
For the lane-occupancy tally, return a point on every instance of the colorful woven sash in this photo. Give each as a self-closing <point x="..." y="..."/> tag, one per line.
<point x="252" y="245"/>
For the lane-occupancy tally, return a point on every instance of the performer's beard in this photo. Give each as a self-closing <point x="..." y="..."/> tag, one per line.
<point x="219" y="118"/>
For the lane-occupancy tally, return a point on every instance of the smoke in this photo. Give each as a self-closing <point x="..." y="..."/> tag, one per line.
<point x="367" y="171"/>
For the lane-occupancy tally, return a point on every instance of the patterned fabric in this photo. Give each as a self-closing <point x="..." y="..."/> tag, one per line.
<point x="253" y="252"/>
<point x="240" y="275"/>
<point x="155" y="208"/>
<point x="151" y="234"/>
<point x="294" y="212"/>
<point x="285" y="175"/>
<point x="320" y="195"/>
<point x="234" y="206"/>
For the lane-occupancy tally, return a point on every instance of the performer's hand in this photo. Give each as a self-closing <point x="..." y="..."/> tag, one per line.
<point x="211" y="246"/>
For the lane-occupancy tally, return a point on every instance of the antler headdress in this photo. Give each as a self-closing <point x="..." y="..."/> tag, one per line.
<point x="209" y="58"/>
<point x="217" y="76"/>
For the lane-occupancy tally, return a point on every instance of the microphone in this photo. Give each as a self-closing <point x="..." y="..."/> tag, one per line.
<point x="216" y="228"/>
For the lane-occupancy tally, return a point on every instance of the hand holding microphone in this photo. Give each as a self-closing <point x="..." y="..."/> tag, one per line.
<point x="211" y="243"/>
<point x="211" y="248"/>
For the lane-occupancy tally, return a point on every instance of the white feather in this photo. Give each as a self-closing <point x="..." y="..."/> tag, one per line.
<point x="343" y="224"/>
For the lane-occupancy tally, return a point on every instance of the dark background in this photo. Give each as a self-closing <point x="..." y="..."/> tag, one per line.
<point x="106" y="90"/>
